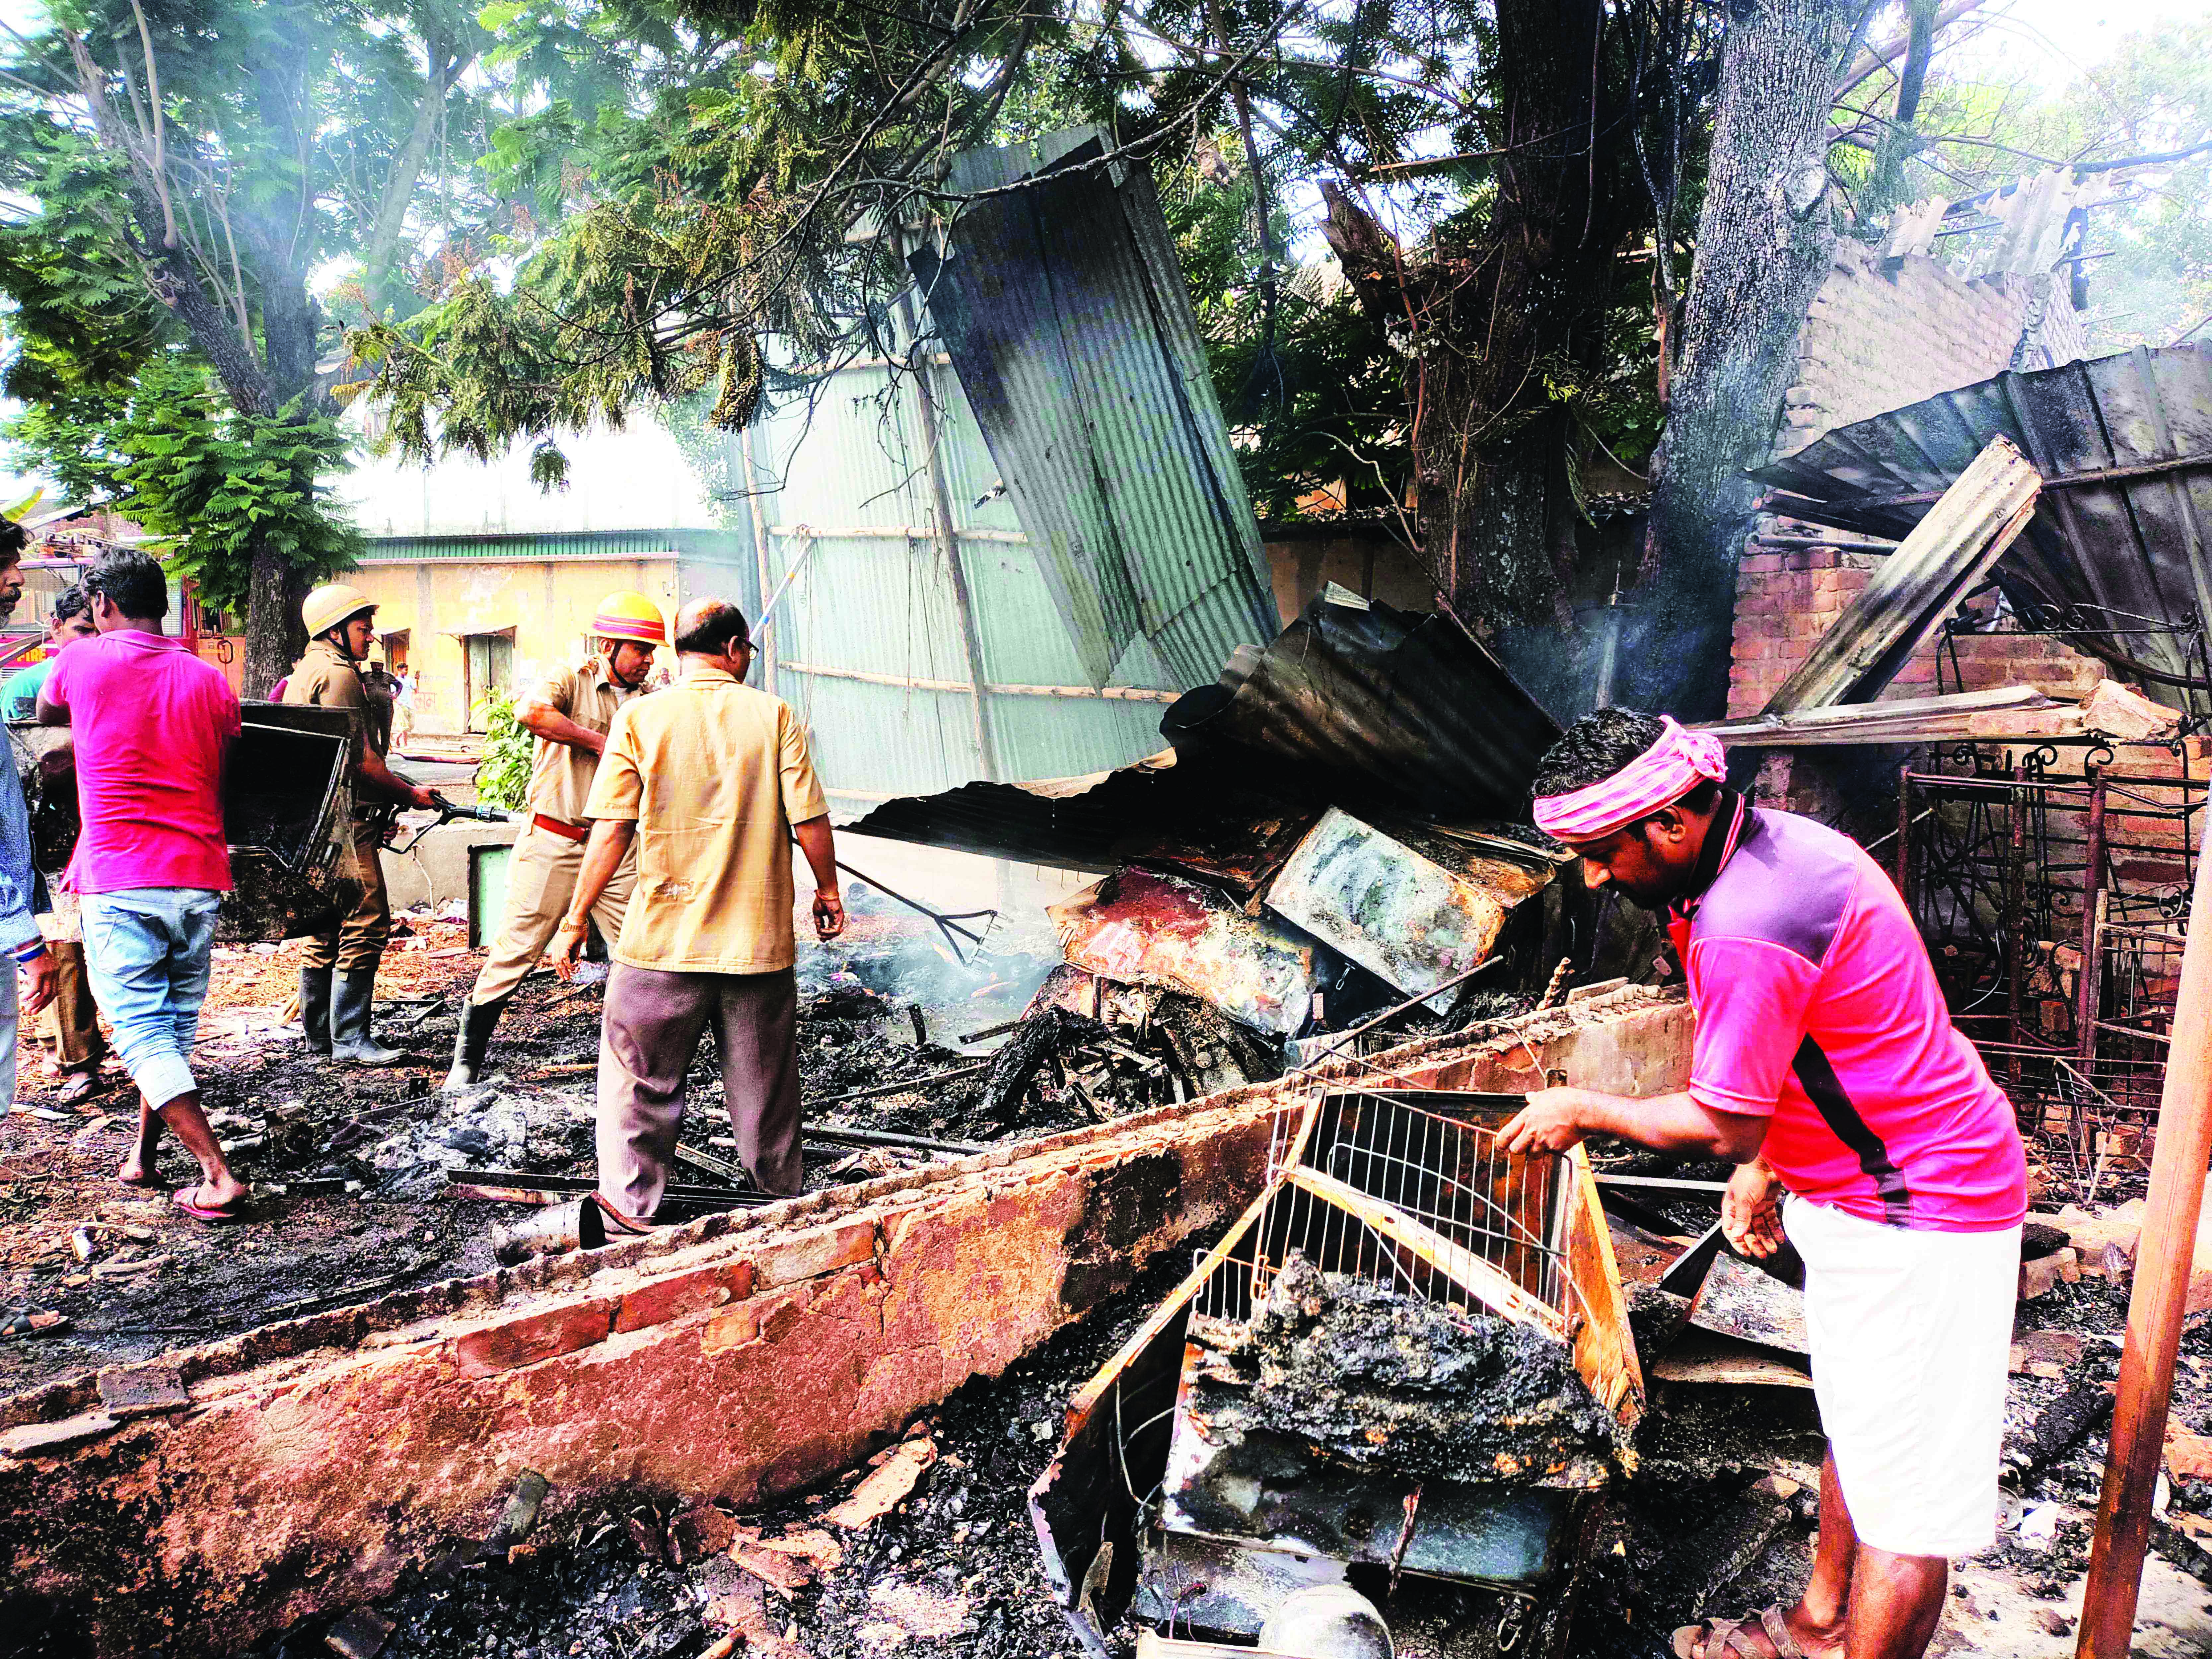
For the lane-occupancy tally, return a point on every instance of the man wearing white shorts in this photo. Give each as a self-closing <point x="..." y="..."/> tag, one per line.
<point x="1826" y="1065"/>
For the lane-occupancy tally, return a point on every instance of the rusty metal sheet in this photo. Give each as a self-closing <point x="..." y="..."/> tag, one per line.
<point x="2115" y="559"/>
<point x="1741" y="1300"/>
<point x="1153" y="929"/>
<point x="1362" y="705"/>
<point x="1404" y="917"/>
<point x="1239" y="850"/>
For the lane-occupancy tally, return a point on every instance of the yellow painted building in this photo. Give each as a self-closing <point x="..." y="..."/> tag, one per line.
<point x="469" y="618"/>
<point x="483" y="581"/>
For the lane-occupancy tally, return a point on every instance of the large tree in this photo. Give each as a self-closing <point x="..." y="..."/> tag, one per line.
<point x="1489" y="163"/>
<point x="1765" y="240"/>
<point x="182" y="171"/>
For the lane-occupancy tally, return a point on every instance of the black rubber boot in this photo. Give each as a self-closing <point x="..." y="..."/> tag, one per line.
<point x="472" y="1039"/>
<point x="352" y="996"/>
<point x="315" y="1007"/>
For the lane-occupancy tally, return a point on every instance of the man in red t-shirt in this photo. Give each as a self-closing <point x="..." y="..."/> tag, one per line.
<point x="1825" y="1063"/>
<point x="151" y="725"/>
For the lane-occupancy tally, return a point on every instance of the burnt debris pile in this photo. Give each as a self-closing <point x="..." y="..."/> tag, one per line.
<point x="1391" y="1383"/>
<point x="1330" y="843"/>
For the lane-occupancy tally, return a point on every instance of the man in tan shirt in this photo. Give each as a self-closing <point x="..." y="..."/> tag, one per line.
<point x="337" y="971"/>
<point x="712" y="779"/>
<point x="569" y="714"/>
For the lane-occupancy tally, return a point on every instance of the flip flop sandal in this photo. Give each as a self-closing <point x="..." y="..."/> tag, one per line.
<point x="82" y="1085"/>
<point x="34" y="1321"/>
<point x="182" y="1198"/>
<point x="1725" y="1638"/>
<point x="144" y="1183"/>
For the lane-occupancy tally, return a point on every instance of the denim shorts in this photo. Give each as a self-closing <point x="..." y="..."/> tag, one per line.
<point x="147" y="951"/>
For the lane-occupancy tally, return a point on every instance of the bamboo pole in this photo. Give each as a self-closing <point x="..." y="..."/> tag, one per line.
<point x="2155" y="1307"/>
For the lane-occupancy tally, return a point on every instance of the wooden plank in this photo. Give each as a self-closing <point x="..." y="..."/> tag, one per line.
<point x="2164" y="1259"/>
<point x="1605" y="1348"/>
<point x="1949" y="550"/>
<point x="1702" y="1356"/>
<point x="1485" y="1283"/>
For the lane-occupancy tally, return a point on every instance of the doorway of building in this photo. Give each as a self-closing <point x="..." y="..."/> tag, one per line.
<point x="488" y="667"/>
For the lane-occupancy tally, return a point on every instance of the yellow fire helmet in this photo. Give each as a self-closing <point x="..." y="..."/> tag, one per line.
<point x="328" y="605"/>
<point x="628" y="615"/>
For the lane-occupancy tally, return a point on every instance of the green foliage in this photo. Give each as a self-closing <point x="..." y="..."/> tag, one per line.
<point x="154" y="263"/>
<point x="716" y="173"/>
<point x="1980" y="129"/>
<point x="503" y="775"/>
<point x="209" y="482"/>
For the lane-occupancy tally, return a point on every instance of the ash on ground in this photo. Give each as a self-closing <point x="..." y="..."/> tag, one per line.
<point x="1392" y="1382"/>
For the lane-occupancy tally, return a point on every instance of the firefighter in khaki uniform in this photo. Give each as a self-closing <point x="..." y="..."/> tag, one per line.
<point x="338" y="973"/>
<point x="569" y="713"/>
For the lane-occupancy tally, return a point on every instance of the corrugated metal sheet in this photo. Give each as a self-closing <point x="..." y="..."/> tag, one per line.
<point x="839" y="469"/>
<point x="1067" y="321"/>
<point x="1368" y="707"/>
<point x="1944" y="559"/>
<point x="2116" y="556"/>
<point x="713" y="546"/>
<point x="1354" y="705"/>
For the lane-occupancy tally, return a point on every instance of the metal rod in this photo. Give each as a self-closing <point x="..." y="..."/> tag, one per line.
<point x="762" y="569"/>
<point x="885" y="1138"/>
<point x="2016" y="921"/>
<point x="1661" y="1183"/>
<point x="1904" y="835"/>
<point x="2157" y="1303"/>
<point x="2092" y="889"/>
<point x="963" y="688"/>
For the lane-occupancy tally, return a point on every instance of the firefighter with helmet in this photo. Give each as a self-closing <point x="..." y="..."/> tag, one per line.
<point x="568" y="714"/>
<point x="337" y="975"/>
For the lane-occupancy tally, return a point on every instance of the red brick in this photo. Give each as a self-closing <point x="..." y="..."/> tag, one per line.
<point x="816" y="1251"/>
<point x="533" y="1337"/>
<point x="664" y="1299"/>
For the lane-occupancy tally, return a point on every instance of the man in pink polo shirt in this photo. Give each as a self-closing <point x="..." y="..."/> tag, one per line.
<point x="1826" y="1064"/>
<point x="151" y="724"/>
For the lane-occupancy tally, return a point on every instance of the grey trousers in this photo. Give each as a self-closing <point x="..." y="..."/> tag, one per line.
<point x="651" y="1031"/>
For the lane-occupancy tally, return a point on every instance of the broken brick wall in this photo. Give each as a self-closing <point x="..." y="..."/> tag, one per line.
<point x="1883" y="334"/>
<point x="740" y="1357"/>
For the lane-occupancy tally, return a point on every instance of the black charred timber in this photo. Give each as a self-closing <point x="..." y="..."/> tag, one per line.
<point x="1035" y="1044"/>
<point x="2085" y="1408"/>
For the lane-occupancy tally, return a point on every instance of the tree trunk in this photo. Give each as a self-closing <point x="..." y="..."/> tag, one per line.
<point x="1497" y="319"/>
<point x="1495" y="510"/>
<point x="1765" y="242"/>
<point x="274" y="635"/>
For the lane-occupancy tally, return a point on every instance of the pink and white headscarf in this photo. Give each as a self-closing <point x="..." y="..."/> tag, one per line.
<point x="1658" y="777"/>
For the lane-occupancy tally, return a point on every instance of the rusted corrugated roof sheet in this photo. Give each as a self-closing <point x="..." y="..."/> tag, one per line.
<point x="2116" y="556"/>
<point x="1355" y="704"/>
<point x="1065" y="313"/>
<point x="1360" y="705"/>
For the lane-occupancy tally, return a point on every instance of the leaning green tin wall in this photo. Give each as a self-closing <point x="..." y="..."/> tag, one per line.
<point x="846" y="499"/>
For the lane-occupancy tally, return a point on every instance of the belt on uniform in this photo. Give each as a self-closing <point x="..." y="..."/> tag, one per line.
<point x="555" y="827"/>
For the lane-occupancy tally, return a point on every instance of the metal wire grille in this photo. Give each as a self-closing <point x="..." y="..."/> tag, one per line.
<point x="1431" y="1157"/>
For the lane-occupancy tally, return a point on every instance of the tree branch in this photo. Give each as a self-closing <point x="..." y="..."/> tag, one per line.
<point x="154" y="98"/>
